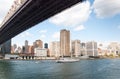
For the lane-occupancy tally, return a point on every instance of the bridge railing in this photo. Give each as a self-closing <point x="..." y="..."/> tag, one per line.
<point x="17" y="4"/>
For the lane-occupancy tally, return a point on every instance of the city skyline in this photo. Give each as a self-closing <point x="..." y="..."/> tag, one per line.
<point x="81" y="42"/>
<point x="74" y="47"/>
<point x="86" y="21"/>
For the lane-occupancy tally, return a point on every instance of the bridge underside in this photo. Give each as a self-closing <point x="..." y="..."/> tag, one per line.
<point x="32" y="13"/>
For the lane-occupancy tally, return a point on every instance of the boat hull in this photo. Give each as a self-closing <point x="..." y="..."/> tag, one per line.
<point x="67" y="60"/>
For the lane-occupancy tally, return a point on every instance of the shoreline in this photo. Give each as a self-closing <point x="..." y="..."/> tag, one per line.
<point x="57" y="59"/>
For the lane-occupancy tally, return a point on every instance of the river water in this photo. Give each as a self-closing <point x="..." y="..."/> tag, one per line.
<point x="49" y="69"/>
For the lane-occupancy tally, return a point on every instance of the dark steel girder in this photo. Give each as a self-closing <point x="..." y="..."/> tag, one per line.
<point x="31" y="13"/>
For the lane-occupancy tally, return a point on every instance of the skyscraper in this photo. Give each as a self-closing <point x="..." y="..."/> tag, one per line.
<point x="46" y="45"/>
<point x="65" y="42"/>
<point x="23" y="49"/>
<point x="5" y="48"/>
<point x="26" y="46"/>
<point x="39" y="43"/>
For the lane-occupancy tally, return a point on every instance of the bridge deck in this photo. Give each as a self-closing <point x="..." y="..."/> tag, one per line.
<point x="32" y="13"/>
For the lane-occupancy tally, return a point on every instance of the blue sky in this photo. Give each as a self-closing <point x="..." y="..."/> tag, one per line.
<point x="97" y="20"/>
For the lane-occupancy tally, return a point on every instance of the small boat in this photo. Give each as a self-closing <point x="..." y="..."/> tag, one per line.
<point x="84" y="57"/>
<point x="67" y="60"/>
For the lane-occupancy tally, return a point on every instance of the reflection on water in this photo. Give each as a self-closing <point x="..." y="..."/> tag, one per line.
<point x="49" y="69"/>
<point x="5" y="70"/>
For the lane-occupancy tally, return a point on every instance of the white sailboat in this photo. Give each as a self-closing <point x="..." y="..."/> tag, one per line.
<point x="67" y="60"/>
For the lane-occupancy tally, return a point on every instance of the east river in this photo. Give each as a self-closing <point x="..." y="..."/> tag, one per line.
<point x="49" y="69"/>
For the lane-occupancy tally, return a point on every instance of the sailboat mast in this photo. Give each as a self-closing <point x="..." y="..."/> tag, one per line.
<point x="93" y="48"/>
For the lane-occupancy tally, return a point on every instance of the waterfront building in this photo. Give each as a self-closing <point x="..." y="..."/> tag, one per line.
<point x="114" y="48"/>
<point x="48" y="52"/>
<point x="83" y="49"/>
<point x="12" y="51"/>
<point x="65" y="42"/>
<point x="14" y="47"/>
<point x="34" y="45"/>
<point x="31" y="49"/>
<point x="23" y="49"/>
<point x="40" y="52"/>
<point x="55" y="49"/>
<point x="46" y="47"/>
<point x="5" y="48"/>
<point x="11" y="56"/>
<point x="76" y="48"/>
<point x="91" y="48"/>
<point x="102" y="50"/>
<point x="19" y="50"/>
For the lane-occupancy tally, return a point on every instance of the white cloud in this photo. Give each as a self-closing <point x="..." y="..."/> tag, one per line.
<point x="78" y="28"/>
<point x="26" y="34"/>
<point x="43" y="31"/>
<point x="73" y="16"/>
<point x="5" y="5"/>
<point x="56" y="35"/>
<point x="106" y="8"/>
<point x="43" y="36"/>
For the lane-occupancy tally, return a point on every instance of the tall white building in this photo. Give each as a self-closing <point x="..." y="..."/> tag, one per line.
<point x="76" y="48"/>
<point x="114" y="48"/>
<point x="91" y="48"/>
<point x="83" y="50"/>
<point x="55" y="49"/>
